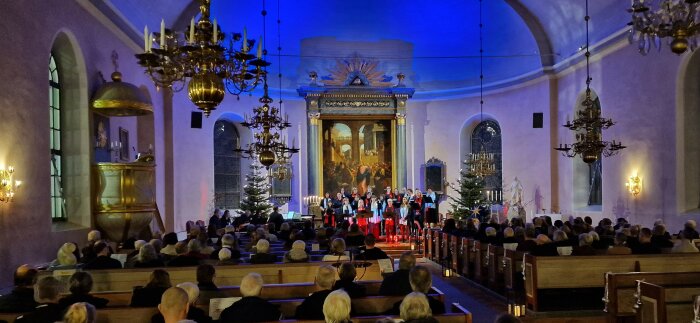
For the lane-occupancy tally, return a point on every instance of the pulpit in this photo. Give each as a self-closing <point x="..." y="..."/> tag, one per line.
<point x="124" y="195"/>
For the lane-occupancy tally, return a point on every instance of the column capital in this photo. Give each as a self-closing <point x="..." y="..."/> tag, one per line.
<point x="401" y="119"/>
<point x="313" y="118"/>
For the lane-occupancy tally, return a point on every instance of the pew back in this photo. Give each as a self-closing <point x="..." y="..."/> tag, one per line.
<point x="665" y="304"/>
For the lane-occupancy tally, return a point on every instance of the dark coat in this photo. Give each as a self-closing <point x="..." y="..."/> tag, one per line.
<point x="155" y="263"/>
<point x="184" y="261"/>
<point x="263" y="258"/>
<point x="250" y="309"/>
<point x="20" y="300"/>
<point x="396" y="284"/>
<point x="350" y="287"/>
<point x="373" y="254"/>
<point x="146" y="296"/>
<point x="583" y="251"/>
<point x="277" y="219"/>
<point x="73" y="298"/>
<point x="44" y="313"/>
<point x="312" y="306"/>
<point x="103" y="262"/>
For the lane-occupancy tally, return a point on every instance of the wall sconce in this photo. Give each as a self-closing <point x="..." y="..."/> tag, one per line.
<point x="8" y="185"/>
<point x="634" y="185"/>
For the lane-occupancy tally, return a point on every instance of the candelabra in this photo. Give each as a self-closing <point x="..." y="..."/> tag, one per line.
<point x="482" y="164"/>
<point x="8" y="185"/>
<point x="675" y="19"/>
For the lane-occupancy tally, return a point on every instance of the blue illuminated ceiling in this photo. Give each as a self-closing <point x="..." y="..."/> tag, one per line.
<point x="435" y="43"/>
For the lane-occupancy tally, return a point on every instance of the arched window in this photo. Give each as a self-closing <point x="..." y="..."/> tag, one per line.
<point x="227" y="166"/>
<point x="486" y="137"/>
<point x="58" y="211"/>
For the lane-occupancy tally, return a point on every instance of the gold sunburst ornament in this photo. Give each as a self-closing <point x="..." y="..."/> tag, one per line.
<point x="356" y="71"/>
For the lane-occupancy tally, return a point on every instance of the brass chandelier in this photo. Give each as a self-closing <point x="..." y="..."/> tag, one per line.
<point x="199" y="54"/>
<point x="589" y="124"/>
<point x="677" y="19"/>
<point x="481" y="164"/>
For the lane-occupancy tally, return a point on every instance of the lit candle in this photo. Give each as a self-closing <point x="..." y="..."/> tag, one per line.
<point x="145" y="40"/>
<point x="245" y="39"/>
<point x="18" y="183"/>
<point x="260" y="48"/>
<point x="192" y="40"/>
<point x="150" y="41"/>
<point x="215" y="37"/>
<point x="162" y="33"/>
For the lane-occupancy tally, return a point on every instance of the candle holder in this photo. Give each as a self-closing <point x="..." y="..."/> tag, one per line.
<point x="8" y="185"/>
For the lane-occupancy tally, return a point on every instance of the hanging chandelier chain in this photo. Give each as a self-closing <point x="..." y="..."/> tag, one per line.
<point x="481" y="62"/>
<point x="279" y="52"/>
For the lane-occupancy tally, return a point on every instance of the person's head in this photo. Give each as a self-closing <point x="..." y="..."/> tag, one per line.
<point x="298" y="245"/>
<point x="251" y="285"/>
<point x="224" y="254"/>
<point x="25" y="276"/>
<point x="147" y="253"/>
<point x="420" y="279"/>
<point x="228" y="241"/>
<point x="325" y="277"/>
<point x="370" y="240"/>
<point x="65" y="255"/>
<point x="690" y="225"/>
<point x="94" y="236"/>
<point x="174" y="305"/>
<point x="170" y="238"/>
<point x="407" y="261"/>
<point x="585" y="239"/>
<point x="560" y="236"/>
<point x="620" y="238"/>
<point x="205" y="273"/>
<point x="263" y="246"/>
<point x="542" y="239"/>
<point x="338" y="246"/>
<point x="450" y="224"/>
<point x="80" y="283"/>
<point x="139" y="243"/>
<point x="347" y="271"/>
<point x="47" y="290"/>
<point x="284" y="226"/>
<point x="181" y="247"/>
<point x="101" y="249"/>
<point x="644" y="235"/>
<point x="194" y="246"/>
<point x="336" y="307"/>
<point x="659" y="230"/>
<point x="80" y="313"/>
<point x="490" y="232"/>
<point x="415" y="306"/>
<point x="507" y="318"/>
<point x="159" y="278"/>
<point x="157" y="244"/>
<point x="192" y="291"/>
<point x="508" y="232"/>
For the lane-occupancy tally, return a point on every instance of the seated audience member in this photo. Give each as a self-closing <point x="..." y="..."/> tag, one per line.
<point x="297" y="253"/>
<point x="689" y="230"/>
<point x="88" y="251"/>
<point x="21" y="299"/>
<point x="371" y="252"/>
<point x="684" y="245"/>
<point x="346" y="281"/>
<point x="308" y="231"/>
<point x="619" y="248"/>
<point x="284" y="232"/>
<point x="228" y="241"/>
<point x="599" y="244"/>
<point x="509" y="235"/>
<point x="355" y="237"/>
<point x="193" y="313"/>
<point x="544" y="247"/>
<point x="250" y="308"/>
<point x="507" y="318"/>
<point x="336" y="307"/>
<point x="397" y="283"/>
<point x="149" y="295"/>
<point x="169" y="240"/>
<point x="262" y="255"/>
<point x="529" y="243"/>
<point x="66" y="257"/>
<point x="80" y="312"/>
<point x="561" y="239"/>
<point x="276" y="218"/>
<point x="660" y="238"/>
<point x="312" y="306"/>
<point x="192" y="256"/>
<point x="225" y="258"/>
<point x="157" y="245"/>
<point x="421" y="281"/>
<point x="491" y="236"/>
<point x="132" y="257"/>
<point x="103" y="259"/>
<point x="337" y="251"/>
<point x="205" y="278"/>
<point x="450" y="226"/>
<point x="415" y="308"/>
<point x="46" y="293"/>
<point x="148" y="258"/>
<point x="584" y="247"/>
<point x="174" y="306"/>
<point x="80" y="285"/>
<point x="206" y="244"/>
<point x="644" y="246"/>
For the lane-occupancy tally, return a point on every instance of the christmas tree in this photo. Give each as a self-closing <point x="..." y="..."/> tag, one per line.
<point x="470" y="189"/>
<point x="256" y="191"/>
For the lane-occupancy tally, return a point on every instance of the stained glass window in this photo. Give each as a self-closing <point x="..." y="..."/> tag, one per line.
<point x="58" y="211"/>
<point x="486" y="137"/>
<point x="227" y="166"/>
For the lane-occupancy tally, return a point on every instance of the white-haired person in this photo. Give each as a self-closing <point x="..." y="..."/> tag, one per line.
<point x="415" y="308"/>
<point x="584" y="248"/>
<point x="250" y="308"/>
<point x="312" y="306"/>
<point x="684" y="245"/>
<point x="228" y="241"/>
<point x="47" y="293"/>
<point x="93" y="237"/>
<point x="66" y="257"/>
<point x="174" y="306"/>
<point x="80" y="313"/>
<point x="262" y="253"/>
<point x="148" y="258"/>
<point x="193" y="313"/>
<point x="297" y="253"/>
<point x="336" y="307"/>
<point x="689" y="230"/>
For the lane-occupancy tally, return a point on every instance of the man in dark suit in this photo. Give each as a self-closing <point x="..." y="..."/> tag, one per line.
<point x="421" y="281"/>
<point x="251" y="308"/>
<point x="103" y="260"/>
<point x="371" y="252"/>
<point x="48" y="310"/>
<point x="312" y="306"/>
<point x="21" y="299"/>
<point x="398" y="284"/>
<point x="276" y="218"/>
<point x="347" y="281"/>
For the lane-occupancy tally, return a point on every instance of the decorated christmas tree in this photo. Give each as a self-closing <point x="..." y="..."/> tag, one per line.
<point x="470" y="193"/>
<point x="256" y="191"/>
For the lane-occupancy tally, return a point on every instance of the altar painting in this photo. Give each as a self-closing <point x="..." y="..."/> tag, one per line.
<point x="356" y="153"/>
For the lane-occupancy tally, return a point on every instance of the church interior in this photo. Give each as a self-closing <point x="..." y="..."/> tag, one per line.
<point x="487" y="114"/>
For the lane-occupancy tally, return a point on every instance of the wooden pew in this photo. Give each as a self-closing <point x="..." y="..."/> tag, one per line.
<point x="512" y="270"/>
<point x="495" y="268"/>
<point x="480" y="261"/>
<point x="455" y="251"/>
<point x="126" y="279"/>
<point x="467" y="257"/>
<point x="665" y="304"/>
<point x="437" y="245"/>
<point x="549" y="280"/>
<point x="429" y="244"/>
<point x="619" y="295"/>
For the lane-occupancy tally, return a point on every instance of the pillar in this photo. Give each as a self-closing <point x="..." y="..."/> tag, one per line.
<point x="400" y="150"/>
<point x="314" y="167"/>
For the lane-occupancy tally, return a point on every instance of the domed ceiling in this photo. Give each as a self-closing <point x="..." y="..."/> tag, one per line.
<point x="435" y="43"/>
